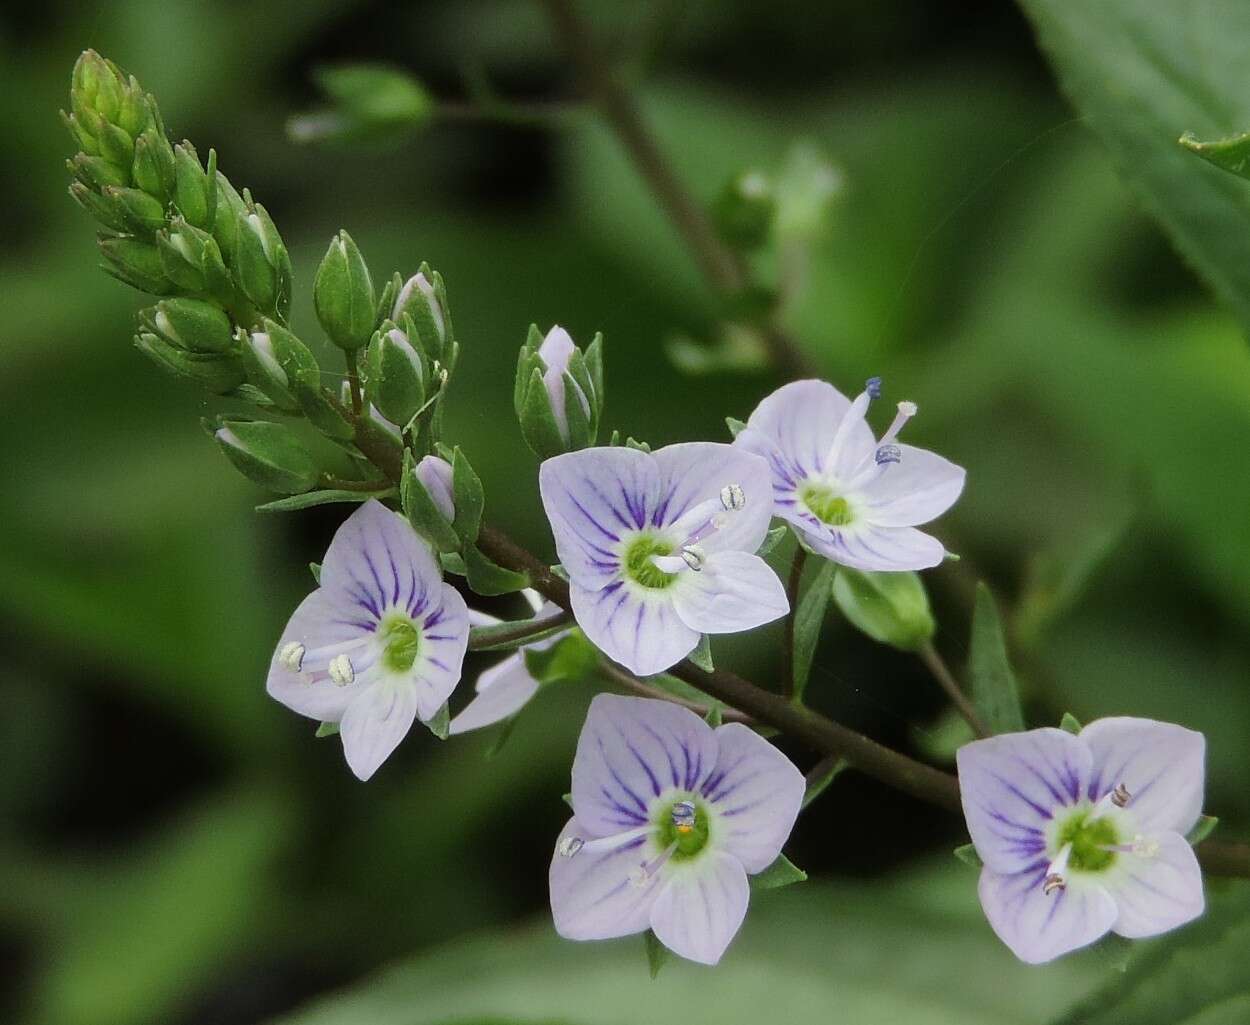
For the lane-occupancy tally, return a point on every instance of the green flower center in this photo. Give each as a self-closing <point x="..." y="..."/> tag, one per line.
<point x="638" y="565"/>
<point x="675" y="827"/>
<point x="1088" y="839"/>
<point x="401" y="642"/>
<point x="826" y="505"/>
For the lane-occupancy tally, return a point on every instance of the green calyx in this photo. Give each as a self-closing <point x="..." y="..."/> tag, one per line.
<point x="1089" y="839"/>
<point x="638" y="565"/>
<point x="825" y="504"/>
<point x="690" y="838"/>
<point x="401" y="643"/>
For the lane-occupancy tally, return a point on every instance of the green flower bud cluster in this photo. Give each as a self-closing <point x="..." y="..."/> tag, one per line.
<point x="172" y="227"/>
<point x="558" y="394"/>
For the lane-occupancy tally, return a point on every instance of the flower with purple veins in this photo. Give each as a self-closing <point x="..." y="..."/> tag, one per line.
<point x="506" y="687"/>
<point x="852" y="498"/>
<point x="670" y="816"/>
<point x="380" y="642"/>
<point x="1081" y="835"/>
<point x="659" y="546"/>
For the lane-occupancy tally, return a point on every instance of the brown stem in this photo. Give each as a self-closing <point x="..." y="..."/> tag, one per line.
<point x="630" y="682"/>
<point x="792" y="592"/>
<point x="512" y="633"/>
<point x="946" y="680"/>
<point x="720" y="264"/>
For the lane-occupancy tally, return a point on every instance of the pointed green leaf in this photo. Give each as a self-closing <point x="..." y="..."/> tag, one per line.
<point x="735" y="426"/>
<point x="992" y="683"/>
<point x="468" y="497"/>
<point x="439" y="724"/>
<point x="327" y="729"/>
<point x="782" y="872"/>
<point x="968" y="855"/>
<point x="818" y="782"/>
<point x="567" y="799"/>
<point x="771" y="540"/>
<point x="315" y="569"/>
<point x="294" y="503"/>
<point x="702" y="654"/>
<point x="502" y="736"/>
<point x="571" y="658"/>
<point x="657" y="953"/>
<point x="489" y="579"/>
<point x="891" y="608"/>
<point x="1070" y="723"/>
<point x="1231" y="154"/>
<point x="1203" y="828"/>
<point x="715" y="714"/>
<point x="809" y="618"/>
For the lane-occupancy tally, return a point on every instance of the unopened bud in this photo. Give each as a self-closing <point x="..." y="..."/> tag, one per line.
<point x="269" y="454"/>
<point x="154" y="165"/>
<point x="193" y="192"/>
<point x="138" y="264"/>
<point x="435" y="476"/>
<point x="559" y="392"/>
<point x="891" y="608"/>
<point x="423" y="298"/>
<point x="218" y="372"/>
<point x="343" y="295"/>
<point x="395" y="375"/>
<point x="194" y="325"/>
<point x="141" y="212"/>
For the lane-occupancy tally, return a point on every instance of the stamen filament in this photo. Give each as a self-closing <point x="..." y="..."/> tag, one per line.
<point x="1056" y="871"/>
<point x="853" y="416"/>
<point x="645" y="871"/>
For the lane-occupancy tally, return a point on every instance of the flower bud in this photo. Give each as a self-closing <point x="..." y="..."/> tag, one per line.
<point x="274" y="358"/>
<point x="191" y="324"/>
<point x="423" y="297"/>
<point x="268" y="454"/>
<point x="343" y="295"/>
<point x="193" y="188"/>
<point x="218" y="372"/>
<point x="143" y="214"/>
<point x="744" y="212"/>
<point x="95" y="173"/>
<point x="434" y="473"/>
<point x="98" y="207"/>
<point x="192" y="259"/>
<point x="153" y="170"/>
<point x="891" y="608"/>
<point x="559" y="392"/>
<point x="138" y="264"/>
<point x="427" y="494"/>
<point x="395" y="375"/>
<point x="260" y="263"/>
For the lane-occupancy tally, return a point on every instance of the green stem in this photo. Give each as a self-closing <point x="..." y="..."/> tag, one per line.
<point x="793" y="587"/>
<point x="946" y="680"/>
<point x="512" y="635"/>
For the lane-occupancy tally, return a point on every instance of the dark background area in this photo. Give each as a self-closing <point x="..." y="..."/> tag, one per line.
<point x="175" y="847"/>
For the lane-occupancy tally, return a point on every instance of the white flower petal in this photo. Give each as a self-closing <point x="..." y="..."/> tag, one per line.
<point x="1162" y="766"/>
<point x="1012" y="785"/>
<point x="592" y="895"/>
<point x="695" y="472"/>
<point x="374" y="724"/>
<point x="800" y="419"/>
<point x="445" y="637"/>
<point x="630" y="751"/>
<point x="878" y="549"/>
<point x="592" y="499"/>
<point x="502" y="690"/>
<point x="643" y="633"/>
<point x="733" y="591"/>
<point x="1040" y="926"/>
<point x="319" y="621"/>
<point x="1156" y="893"/>
<point x="917" y="489"/>
<point x="756" y="793"/>
<point x="701" y="908"/>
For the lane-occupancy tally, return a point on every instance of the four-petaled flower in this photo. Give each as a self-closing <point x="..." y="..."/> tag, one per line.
<point x="852" y="498"/>
<point x="379" y="643"/>
<point x="669" y="818"/>
<point x="1081" y="835"/>
<point x="659" y="547"/>
<point x="506" y="687"/>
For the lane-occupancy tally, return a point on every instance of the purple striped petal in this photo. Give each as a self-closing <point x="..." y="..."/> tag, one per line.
<point x="1011" y="787"/>
<point x="695" y="472"/>
<point x="917" y="489"/>
<point x="377" y="562"/>
<point x="756" y="793"/>
<point x="799" y="421"/>
<point x="701" y="907"/>
<point x="592" y="895"/>
<point x="1038" y="926"/>
<point x="320" y="620"/>
<point x="642" y="632"/>
<point x="1160" y="764"/>
<point x="733" y="591"/>
<point x="866" y="546"/>
<point x="375" y="722"/>
<point x="445" y="636"/>
<point x="593" y="498"/>
<point x="1157" y="892"/>
<point x="632" y="750"/>
<point x="502" y="690"/>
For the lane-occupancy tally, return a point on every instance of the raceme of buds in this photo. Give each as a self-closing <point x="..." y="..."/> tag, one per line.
<point x="218" y="372"/>
<point x="109" y="114"/>
<point x="559" y="392"/>
<point x="423" y="297"/>
<point x="396" y="374"/>
<point x="891" y="608"/>
<point x="343" y="295"/>
<point x="268" y="454"/>
<point x="190" y="324"/>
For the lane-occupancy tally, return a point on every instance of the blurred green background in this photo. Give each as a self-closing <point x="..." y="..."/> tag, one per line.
<point x="176" y="848"/>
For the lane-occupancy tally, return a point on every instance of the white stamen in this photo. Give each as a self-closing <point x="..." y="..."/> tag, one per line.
<point x="611" y="843"/>
<point x="1056" y="871"/>
<point x="292" y="655"/>
<point x="694" y="557"/>
<point x="341" y="670"/>
<point x="570" y="845"/>
<point x="732" y="497"/>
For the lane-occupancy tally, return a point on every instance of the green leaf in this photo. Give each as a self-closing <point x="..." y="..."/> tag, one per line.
<point x="715" y="714"/>
<point x="438" y="725"/>
<point x="735" y="428"/>
<point x="469" y="498"/>
<point x="1231" y="154"/>
<point x="657" y="953"/>
<point x="327" y="729"/>
<point x="1203" y="828"/>
<point x="968" y="855"/>
<point x="370" y="102"/>
<point x="571" y="658"/>
<point x="453" y="562"/>
<point x="309" y="499"/>
<point x="1141" y="73"/>
<point x="809" y="617"/>
<point x="991" y="681"/>
<point x="702" y="654"/>
<point x="315" y="569"/>
<point x="817" y="784"/>
<point x="782" y="872"/>
<point x="567" y="799"/>
<point x="1070" y="723"/>
<point x="771" y="540"/>
<point x="891" y="608"/>
<point x="489" y="579"/>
